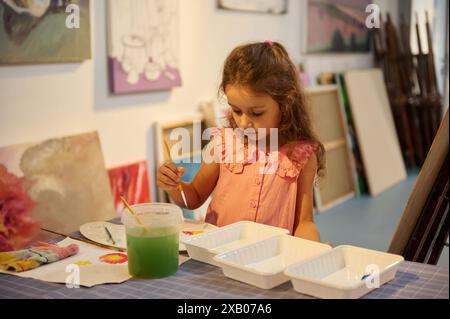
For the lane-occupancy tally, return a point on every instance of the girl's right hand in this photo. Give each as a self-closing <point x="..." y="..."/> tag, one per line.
<point x="169" y="176"/>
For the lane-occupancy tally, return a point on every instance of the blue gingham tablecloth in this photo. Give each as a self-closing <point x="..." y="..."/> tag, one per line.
<point x="198" y="280"/>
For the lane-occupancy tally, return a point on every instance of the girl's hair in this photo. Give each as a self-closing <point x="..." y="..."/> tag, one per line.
<point x="266" y="67"/>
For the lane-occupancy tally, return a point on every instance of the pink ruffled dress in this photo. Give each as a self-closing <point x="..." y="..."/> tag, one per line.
<point x="262" y="190"/>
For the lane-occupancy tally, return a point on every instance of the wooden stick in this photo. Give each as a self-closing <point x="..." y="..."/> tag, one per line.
<point x="131" y="210"/>
<point x="167" y="148"/>
<point x="87" y="241"/>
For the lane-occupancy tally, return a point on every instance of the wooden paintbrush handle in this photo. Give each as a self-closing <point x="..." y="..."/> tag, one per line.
<point x="87" y="241"/>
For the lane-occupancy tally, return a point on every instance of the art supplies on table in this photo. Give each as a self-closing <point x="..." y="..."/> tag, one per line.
<point x="343" y="272"/>
<point x="33" y="257"/>
<point x="204" y="247"/>
<point x="153" y="232"/>
<point x="89" y="267"/>
<point x="95" y="231"/>
<point x="262" y="264"/>
<point x="266" y="256"/>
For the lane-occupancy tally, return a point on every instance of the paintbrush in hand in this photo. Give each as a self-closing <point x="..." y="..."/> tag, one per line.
<point x="180" y="187"/>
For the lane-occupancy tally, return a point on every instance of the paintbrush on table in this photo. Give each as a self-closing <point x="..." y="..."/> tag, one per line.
<point x="87" y="241"/>
<point x="110" y="235"/>
<point x="180" y="187"/>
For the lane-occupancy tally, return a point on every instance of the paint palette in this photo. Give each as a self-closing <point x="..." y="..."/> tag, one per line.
<point x="96" y="231"/>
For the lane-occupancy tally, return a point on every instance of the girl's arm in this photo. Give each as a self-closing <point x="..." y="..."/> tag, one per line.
<point x="304" y="226"/>
<point x="199" y="189"/>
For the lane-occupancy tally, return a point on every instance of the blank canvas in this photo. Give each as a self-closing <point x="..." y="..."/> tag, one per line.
<point x="374" y="125"/>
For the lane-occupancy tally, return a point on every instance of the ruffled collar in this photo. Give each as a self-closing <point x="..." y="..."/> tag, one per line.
<point x="288" y="161"/>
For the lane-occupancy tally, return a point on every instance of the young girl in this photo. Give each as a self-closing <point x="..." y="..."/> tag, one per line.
<point x="262" y="88"/>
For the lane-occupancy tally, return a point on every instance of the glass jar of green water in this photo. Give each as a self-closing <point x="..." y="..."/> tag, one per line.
<point x="153" y="246"/>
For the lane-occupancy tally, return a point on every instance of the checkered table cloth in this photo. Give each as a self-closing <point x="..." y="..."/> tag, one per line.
<point x="198" y="280"/>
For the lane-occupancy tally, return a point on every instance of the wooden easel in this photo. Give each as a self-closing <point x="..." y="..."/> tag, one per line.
<point x="411" y="82"/>
<point x="424" y="226"/>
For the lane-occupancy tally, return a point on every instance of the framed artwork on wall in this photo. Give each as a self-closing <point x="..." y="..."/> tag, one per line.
<point x="336" y="26"/>
<point x="143" y="45"/>
<point x="44" y="31"/>
<point x="260" y="6"/>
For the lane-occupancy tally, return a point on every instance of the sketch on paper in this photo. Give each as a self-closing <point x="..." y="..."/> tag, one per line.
<point x="143" y="45"/>
<point x="262" y="6"/>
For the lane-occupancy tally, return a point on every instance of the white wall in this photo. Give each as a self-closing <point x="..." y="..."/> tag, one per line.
<point x="43" y="101"/>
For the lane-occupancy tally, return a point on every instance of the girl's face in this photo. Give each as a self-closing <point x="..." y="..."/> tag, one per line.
<point x="251" y="109"/>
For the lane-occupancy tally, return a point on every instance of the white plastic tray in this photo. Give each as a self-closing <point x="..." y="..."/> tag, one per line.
<point x="343" y="272"/>
<point x="189" y="229"/>
<point x="205" y="246"/>
<point x="262" y="264"/>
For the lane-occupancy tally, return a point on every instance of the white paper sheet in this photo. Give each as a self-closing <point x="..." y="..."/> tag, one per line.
<point x="85" y="266"/>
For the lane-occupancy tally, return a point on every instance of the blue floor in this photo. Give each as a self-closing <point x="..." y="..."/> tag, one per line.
<point x="366" y="221"/>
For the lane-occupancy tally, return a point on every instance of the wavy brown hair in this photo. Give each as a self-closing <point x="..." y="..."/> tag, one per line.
<point x="266" y="67"/>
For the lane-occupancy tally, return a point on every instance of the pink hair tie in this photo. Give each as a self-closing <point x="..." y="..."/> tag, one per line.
<point x="269" y="42"/>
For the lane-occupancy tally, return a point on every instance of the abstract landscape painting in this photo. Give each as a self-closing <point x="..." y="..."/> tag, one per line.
<point x="35" y="31"/>
<point x="337" y="26"/>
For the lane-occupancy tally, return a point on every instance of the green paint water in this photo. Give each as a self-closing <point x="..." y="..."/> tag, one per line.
<point x="152" y="253"/>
